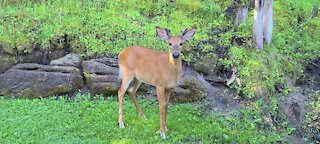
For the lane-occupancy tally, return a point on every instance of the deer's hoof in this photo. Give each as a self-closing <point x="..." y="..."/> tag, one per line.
<point x="121" y="124"/>
<point x="162" y="135"/>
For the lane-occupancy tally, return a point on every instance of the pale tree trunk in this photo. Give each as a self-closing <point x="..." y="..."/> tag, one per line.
<point x="315" y="11"/>
<point x="263" y="23"/>
<point x="268" y="21"/>
<point x="241" y="16"/>
<point x="257" y="25"/>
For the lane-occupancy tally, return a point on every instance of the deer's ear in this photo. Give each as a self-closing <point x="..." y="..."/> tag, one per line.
<point x="187" y="34"/>
<point x="182" y="32"/>
<point x="164" y="34"/>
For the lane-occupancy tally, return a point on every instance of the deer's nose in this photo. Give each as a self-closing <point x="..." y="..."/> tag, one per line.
<point x="175" y="54"/>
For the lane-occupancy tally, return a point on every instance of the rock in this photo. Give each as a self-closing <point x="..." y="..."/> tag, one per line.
<point x="34" y="57"/>
<point x="56" y="53"/>
<point x="192" y="87"/>
<point x="34" y="81"/>
<point x="68" y="60"/>
<point x="206" y="64"/>
<point x="100" y="78"/>
<point x="6" y="62"/>
<point x="108" y="61"/>
<point x="101" y="75"/>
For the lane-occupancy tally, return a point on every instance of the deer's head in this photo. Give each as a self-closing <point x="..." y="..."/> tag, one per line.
<point x="175" y="43"/>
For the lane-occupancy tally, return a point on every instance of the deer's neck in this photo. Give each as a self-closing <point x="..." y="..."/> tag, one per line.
<point x="175" y="64"/>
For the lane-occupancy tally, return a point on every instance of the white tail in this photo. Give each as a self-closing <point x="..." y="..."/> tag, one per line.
<point x="160" y="69"/>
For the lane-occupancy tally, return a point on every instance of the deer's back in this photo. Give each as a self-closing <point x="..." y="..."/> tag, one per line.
<point x="139" y="56"/>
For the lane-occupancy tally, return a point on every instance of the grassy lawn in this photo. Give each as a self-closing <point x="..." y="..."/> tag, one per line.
<point x="87" y="119"/>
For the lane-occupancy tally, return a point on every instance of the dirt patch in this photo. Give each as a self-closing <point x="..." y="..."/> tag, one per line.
<point x="310" y="82"/>
<point x="296" y="104"/>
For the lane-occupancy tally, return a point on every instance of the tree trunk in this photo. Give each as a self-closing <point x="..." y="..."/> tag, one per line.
<point x="315" y="11"/>
<point x="268" y="21"/>
<point x="241" y="16"/>
<point x="263" y="23"/>
<point x="257" y="25"/>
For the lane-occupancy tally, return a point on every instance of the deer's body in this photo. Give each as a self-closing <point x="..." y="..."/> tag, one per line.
<point x="160" y="69"/>
<point x="151" y="67"/>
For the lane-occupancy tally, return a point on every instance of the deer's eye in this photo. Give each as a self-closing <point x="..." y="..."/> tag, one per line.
<point x="170" y="44"/>
<point x="181" y="44"/>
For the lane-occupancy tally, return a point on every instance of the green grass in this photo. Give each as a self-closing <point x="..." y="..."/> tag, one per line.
<point x="88" y="119"/>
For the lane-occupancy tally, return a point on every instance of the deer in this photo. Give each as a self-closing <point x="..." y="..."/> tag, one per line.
<point x="139" y="65"/>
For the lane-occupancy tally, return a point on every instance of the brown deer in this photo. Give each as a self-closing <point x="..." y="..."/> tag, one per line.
<point x="160" y="69"/>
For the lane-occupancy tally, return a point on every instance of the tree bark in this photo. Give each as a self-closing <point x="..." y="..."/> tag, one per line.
<point x="257" y="25"/>
<point x="315" y="11"/>
<point x="240" y="16"/>
<point x="268" y="21"/>
<point x="263" y="23"/>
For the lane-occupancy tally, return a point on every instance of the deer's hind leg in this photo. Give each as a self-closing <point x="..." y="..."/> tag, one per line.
<point x="132" y="90"/>
<point x="126" y="80"/>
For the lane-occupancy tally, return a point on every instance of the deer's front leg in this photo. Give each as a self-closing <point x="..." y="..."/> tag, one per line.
<point x="167" y="97"/>
<point x="162" y="107"/>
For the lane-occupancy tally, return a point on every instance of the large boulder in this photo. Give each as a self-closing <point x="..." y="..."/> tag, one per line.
<point x="68" y="60"/>
<point x="108" y="60"/>
<point x="56" y="53"/>
<point x="33" y="80"/>
<point x="192" y="87"/>
<point x="100" y="78"/>
<point x="206" y="64"/>
<point x="8" y="60"/>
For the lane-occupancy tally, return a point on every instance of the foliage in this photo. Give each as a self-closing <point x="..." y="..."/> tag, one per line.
<point x="87" y="119"/>
<point x="294" y="44"/>
<point x="100" y="26"/>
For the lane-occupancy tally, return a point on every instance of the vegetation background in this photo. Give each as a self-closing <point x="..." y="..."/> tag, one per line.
<point x="106" y="27"/>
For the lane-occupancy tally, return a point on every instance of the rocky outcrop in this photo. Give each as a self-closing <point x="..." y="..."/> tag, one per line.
<point x="68" y="60"/>
<point x="6" y="62"/>
<point x="33" y="80"/>
<point x="100" y="78"/>
<point x="206" y="64"/>
<point x="192" y="87"/>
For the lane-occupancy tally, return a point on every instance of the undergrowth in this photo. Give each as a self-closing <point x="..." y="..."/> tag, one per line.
<point x="95" y="27"/>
